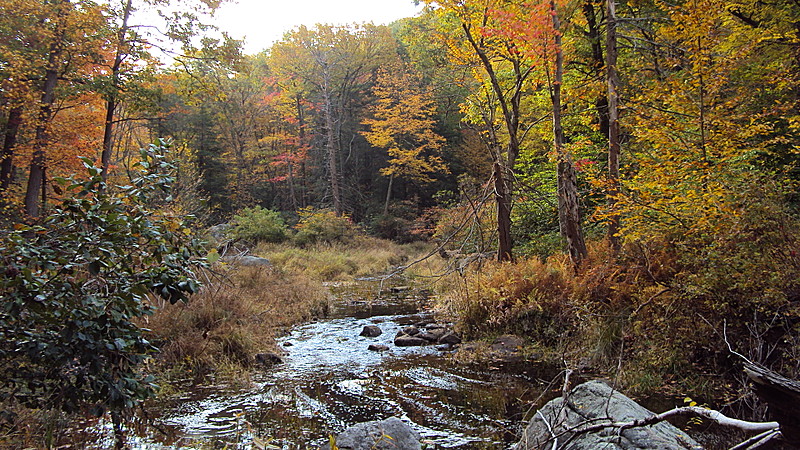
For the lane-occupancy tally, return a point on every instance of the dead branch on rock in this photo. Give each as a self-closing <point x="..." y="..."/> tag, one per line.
<point x="697" y="411"/>
<point x="769" y="430"/>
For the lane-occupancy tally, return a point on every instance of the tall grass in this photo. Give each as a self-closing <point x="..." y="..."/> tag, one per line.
<point x="339" y="261"/>
<point x="233" y="318"/>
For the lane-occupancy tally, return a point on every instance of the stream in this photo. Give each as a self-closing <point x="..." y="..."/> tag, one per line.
<point x="329" y="380"/>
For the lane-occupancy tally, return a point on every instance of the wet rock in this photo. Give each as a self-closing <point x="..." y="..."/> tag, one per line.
<point x="444" y="347"/>
<point x="507" y="348"/>
<point x="450" y="338"/>
<point x="411" y="331"/>
<point x="404" y="340"/>
<point x="424" y="323"/>
<point x="371" y="331"/>
<point x="287" y="344"/>
<point x="438" y="332"/>
<point x="377" y="348"/>
<point x="268" y="359"/>
<point x="594" y="400"/>
<point x="391" y="433"/>
<point x="430" y="337"/>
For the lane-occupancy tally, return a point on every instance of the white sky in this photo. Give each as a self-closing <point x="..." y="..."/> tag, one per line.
<point x="262" y="22"/>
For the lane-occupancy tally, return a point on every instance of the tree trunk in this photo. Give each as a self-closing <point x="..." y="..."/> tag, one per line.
<point x="510" y="106"/>
<point x="331" y="147"/>
<point x="568" y="211"/>
<point x="39" y="160"/>
<point x="113" y="95"/>
<point x="9" y="142"/>
<point x="388" y="195"/>
<point x="613" y="129"/>
<point x="503" y="193"/>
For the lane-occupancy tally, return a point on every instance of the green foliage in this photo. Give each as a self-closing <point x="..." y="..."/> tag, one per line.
<point x="74" y="285"/>
<point x="323" y="225"/>
<point x="259" y="225"/>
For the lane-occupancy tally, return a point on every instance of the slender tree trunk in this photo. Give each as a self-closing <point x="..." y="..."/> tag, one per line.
<point x="113" y="95"/>
<point x="613" y="119"/>
<point x="503" y="193"/>
<point x="36" y="177"/>
<point x="331" y="147"/>
<point x="388" y="195"/>
<point x="9" y="142"/>
<point x="568" y="210"/>
<point x="595" y="42"/>
<point x="510" y="106"/>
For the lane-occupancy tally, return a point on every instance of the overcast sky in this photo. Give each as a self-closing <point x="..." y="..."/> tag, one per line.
<point x="262" y="22"/>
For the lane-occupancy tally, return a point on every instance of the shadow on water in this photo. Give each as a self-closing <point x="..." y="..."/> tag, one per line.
<point x="330" y="380"/>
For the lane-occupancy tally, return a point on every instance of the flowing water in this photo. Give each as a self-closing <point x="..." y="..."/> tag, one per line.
<point x="329" y="380"/>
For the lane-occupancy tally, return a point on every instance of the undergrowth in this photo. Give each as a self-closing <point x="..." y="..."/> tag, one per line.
<point x="652" y="318"/>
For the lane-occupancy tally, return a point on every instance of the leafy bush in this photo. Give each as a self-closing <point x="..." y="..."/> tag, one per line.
<point x="259" y="225"/>
<point x="73" y="286"/>
<point x="323" y="225"/>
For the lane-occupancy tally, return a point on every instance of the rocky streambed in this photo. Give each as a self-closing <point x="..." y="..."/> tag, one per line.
<point x="335" y="373"/>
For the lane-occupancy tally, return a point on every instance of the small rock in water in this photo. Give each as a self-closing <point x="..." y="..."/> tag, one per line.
<point x="438" y="332"/>
<point x="268" y="359"/>
<point x="371" y="331"/>
<point x="405" y="340"/>
<point x="411" y="331"/>
<point x="450" y="338"/>
<point x="287" y="344"/>
<point x="430" y="337"/>
<point x="377" y="348"/>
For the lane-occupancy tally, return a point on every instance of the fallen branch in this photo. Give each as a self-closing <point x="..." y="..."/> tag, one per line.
<point x="768" y="430"/>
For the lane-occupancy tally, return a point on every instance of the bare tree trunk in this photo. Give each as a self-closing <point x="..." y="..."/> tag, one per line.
<point x="113" y="95"/>
<point x="9" y="142"/>
<point x="39" y="160"/>
<point x="388" y="195"/>
<point x="331" y="147"/>
<point x="568" y="210"/>
<point x="613" y="128"/>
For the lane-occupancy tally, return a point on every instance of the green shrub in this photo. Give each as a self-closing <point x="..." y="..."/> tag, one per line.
<point x="259" y="225"/>
<point x="323" y="225"/>
<point x="75" y="285"/>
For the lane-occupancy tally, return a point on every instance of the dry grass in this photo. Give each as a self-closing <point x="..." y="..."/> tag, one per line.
<point x="337" y="261"/>
<point x="233" y="318"/>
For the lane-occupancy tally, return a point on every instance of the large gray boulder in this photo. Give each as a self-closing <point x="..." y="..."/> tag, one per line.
<point x="590" y="403"/>
<point x="389" y="434"/>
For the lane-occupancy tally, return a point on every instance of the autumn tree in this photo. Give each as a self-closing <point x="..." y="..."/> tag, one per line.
<point x="68" y="41"/>
<point x="402" y="124"/>
<point x="533" y="30"/>
<point x="335" y="66"/>
<point x="502" y="73"/>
